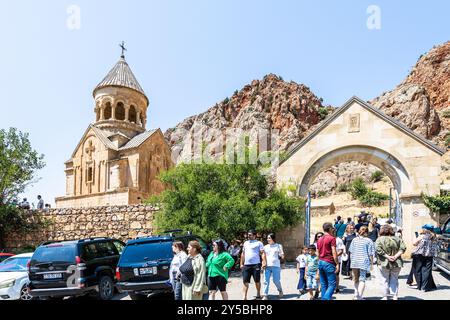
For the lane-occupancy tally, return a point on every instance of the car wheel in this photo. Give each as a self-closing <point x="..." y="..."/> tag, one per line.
<point x="25" y="293"/>
<point x="106" y="288"/>
<point x="134" y="296"/>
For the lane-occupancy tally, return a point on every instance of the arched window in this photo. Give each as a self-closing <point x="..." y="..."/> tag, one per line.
<point x="107" y="113"/>
<point x="120" y="111"/>
<point x="132" y="116"/>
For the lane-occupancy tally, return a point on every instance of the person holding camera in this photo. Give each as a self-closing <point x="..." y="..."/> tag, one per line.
<point x="274" y="256"/>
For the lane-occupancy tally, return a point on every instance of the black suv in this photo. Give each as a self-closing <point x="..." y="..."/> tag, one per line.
<point x="75" y="268"/>
<point x="144" y="266"/>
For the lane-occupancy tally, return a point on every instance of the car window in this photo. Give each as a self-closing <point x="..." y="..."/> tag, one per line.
<point x="188" y="239"/>
<point x="3" y="258"/>
<point x="55" y="254"/>
<point x="119" y="246"/>
<point x="147" y="251"/>
<point x="14" y="264"/>
<point x="202" y="244"/>
<point x="106" y="249"/>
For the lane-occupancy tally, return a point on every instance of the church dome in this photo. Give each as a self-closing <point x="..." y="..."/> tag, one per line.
<point x="120" y="76"/>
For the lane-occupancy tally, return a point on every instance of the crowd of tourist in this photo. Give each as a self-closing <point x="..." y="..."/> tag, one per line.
<point x="356" y="251"/>
<point x="24" y="204"/>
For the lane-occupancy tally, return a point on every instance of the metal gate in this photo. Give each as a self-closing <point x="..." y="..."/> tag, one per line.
<point x="308" y="220"/>
<point x="398" y="211"/>
<point x="395" y="208"/>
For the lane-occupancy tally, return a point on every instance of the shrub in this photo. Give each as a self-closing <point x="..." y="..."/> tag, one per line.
<point x="343" y="187"/>
<point x="447" y="140"/>
<point x="373" y="199"/>
<point x="377" y="176"/>
<point x="323" y="113"/>
<point x="321" y="193"/>
<point x="446" y="114"/>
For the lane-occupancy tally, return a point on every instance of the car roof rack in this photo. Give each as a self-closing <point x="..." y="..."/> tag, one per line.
<point x="46" y="243"/>
<point x="93" y="238"/>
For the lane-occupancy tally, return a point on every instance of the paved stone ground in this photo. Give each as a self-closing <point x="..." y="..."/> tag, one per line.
<point x="289" y="279"/>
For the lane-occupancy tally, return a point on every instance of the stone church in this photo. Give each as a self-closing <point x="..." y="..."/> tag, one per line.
<point x="116" y="162"/>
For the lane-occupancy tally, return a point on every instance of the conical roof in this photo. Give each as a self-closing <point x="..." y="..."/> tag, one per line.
<point x="121" y="76"/>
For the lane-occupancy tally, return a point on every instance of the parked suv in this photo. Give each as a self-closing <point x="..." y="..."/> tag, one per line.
<point x="144" y="266"/>
<point x="75" y="268"/>
<point x="442" y="261"/>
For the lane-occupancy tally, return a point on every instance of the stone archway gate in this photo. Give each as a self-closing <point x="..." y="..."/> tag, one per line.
<point x="359" y="132"/>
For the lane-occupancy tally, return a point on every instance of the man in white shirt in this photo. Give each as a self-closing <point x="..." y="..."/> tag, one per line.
<point x="340" y="250"/>
<point x="253" y="258"/>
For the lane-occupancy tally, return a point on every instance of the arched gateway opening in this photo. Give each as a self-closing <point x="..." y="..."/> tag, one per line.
<point x="386" y="162"/>
<point x="359" y="132"/>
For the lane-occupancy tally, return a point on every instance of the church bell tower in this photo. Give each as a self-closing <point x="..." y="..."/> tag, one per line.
<point x="120" y="102"/>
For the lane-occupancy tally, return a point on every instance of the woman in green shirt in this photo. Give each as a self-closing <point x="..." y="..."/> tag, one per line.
<point x="218" y="264"/>
<point x="389" y="250"/>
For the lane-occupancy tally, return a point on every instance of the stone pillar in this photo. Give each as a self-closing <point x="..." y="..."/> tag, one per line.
<point x="102" y="113"/>
<point x="127" y="113"/>
<point x="113" y="112"/>
<point x="75" y="182"/>
<point x="292" y="239"/>
<point x="138" y="118"/>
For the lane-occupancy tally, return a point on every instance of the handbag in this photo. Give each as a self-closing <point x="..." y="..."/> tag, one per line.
<point x="187" y="272"/>
<point x="344" y="256"/>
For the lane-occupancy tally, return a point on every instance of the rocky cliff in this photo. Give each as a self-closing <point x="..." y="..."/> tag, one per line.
<point x="270" y="103"/>
<point x="421" y="102"/>
<point x="432" y="72"/>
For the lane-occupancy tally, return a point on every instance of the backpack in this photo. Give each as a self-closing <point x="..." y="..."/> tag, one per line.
<point x="187" y="272"/>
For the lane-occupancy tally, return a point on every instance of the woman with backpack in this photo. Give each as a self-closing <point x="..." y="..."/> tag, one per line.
<point x="219" y="263"/>
<point x="389" y="249"/>
<point x="274" y="255"/>
<point x="193" y="273"/>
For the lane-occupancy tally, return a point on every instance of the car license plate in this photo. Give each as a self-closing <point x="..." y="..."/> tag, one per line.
<point x="51" y="276"/>
<point x="145" y="271"/>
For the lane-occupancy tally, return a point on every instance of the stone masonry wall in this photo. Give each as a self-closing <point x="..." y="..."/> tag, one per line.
<point x="121" y="222"/>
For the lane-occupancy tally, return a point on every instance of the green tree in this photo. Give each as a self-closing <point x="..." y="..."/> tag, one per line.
<point x="438" y="204"/>
<point x="223" y="200"/>
<point x="377" y="176"/>
<point x="18" y="165"/>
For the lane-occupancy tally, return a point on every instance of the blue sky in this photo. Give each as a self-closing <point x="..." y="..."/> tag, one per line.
<point x="188" y="55"/>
